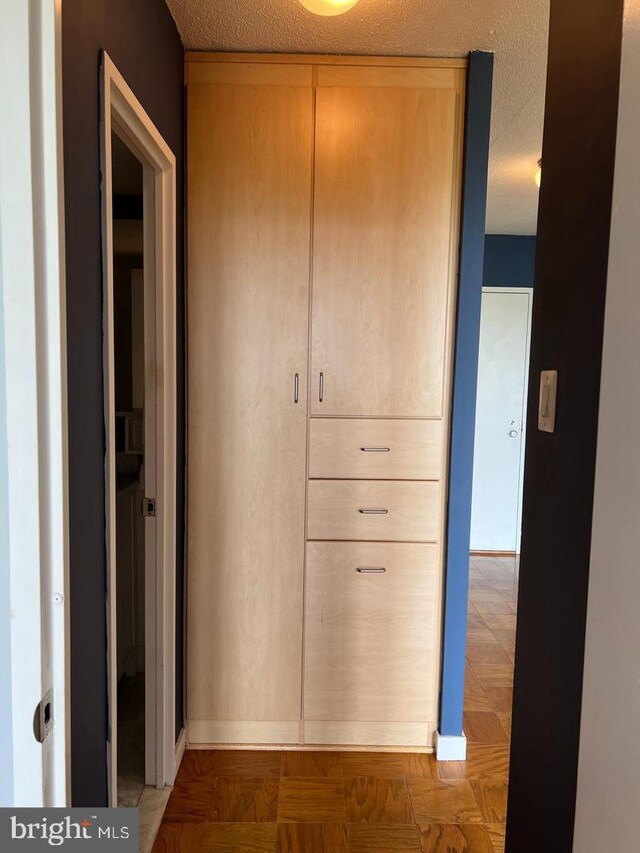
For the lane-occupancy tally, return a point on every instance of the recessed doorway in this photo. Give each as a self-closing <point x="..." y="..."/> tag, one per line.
<point x="130" y="422"/>
<point x="139" y="233"/>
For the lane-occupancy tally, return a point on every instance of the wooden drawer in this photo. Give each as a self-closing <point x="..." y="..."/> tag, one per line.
<point x="375" y="449"/>
<point x="374" y="510"/>
<point x="371" y="639"/>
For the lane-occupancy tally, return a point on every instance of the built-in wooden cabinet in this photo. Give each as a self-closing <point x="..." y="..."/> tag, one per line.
<point x="323" y="206"/>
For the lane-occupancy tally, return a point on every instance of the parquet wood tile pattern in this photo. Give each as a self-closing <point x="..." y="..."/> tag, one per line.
<point x="461" y="838"/>
<point x="312" y="801"/>
<point x="377" y="801"/>
<point x="444" y="801"/>
<point x="379" y="838"/>
<point x="484" y="727"/>
<point x="485" y="761"/>
<point x="243" y="801"/>
<point x="492" y="800"/>
<point x="199" y="764"/>
<point x="327" y="765"/>
<point x="301" y="837"/>
<point x="380" y="764"/>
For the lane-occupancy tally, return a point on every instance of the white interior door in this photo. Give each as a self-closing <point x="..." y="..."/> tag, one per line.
<point x="505" y="330"/>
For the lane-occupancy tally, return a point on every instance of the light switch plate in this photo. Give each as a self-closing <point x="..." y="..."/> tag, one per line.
<point x="547" y="404"/>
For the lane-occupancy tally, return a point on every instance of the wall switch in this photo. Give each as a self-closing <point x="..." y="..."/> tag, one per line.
<point x="547" y="405"/>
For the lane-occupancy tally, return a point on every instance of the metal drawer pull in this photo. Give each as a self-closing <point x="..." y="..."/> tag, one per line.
<point x="375" y="449"/>
<point x="374" y="511"/>
<point x="371" y="570"/>
<point x="296" y="385"/>
<point x="321" y="388"/>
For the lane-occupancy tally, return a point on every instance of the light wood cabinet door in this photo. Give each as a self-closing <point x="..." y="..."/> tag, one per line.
<point x="371" y="648"/>
<point x="249" y="203"/>
<point x="381" y="510"/>
<point x="386" y="201"/>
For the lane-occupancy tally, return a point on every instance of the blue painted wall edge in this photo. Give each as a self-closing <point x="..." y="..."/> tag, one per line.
<point x="472" y="240"/>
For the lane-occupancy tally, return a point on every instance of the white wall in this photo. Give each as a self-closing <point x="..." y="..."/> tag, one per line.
<point x="33" y="504"/>
<point x="6" y="723"/>
<point x="608" y="777"/>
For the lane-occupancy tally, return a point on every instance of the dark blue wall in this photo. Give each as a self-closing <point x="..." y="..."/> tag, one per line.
<point x="142" y="40"/>
<point x="509" y="261"/>
<point x="465" y="380"/>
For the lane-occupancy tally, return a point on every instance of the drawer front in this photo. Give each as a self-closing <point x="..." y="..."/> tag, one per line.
<point x="371" y="637"/>
<point x="375" y="449"/>
<point x="374" y="510"/>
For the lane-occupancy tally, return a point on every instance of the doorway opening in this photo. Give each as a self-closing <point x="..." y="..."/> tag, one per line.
<point x="131" y="421"/>
<point x="496" y="520"/>
<point x="496" y="516"/>
<point x="139" y="232"/>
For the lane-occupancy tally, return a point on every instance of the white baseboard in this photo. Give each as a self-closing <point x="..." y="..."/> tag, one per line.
<point x="451" y="748"/>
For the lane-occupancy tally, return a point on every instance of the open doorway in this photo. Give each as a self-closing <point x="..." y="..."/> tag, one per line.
<point x="140" y="421"/>
<point x="501" y="358"/>
<point x="496" y="518"/>
<point x="130" y="421"/>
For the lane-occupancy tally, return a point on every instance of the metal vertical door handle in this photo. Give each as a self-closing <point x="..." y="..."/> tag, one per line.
<point x="296" y="386"/>
<point x="321" y="387"/>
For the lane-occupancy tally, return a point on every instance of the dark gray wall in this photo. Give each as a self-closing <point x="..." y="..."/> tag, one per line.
<point x="568" y="314"/>
<point x="142" y="40"/>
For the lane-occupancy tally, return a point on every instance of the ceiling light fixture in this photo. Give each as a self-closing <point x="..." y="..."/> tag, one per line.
<point x="539" y="173"/>
<point x="328" y="7"/>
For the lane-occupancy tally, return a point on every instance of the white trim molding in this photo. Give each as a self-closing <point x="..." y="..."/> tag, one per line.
<point x="451" y="748"/>
<point x="123" y="113"/>
<point x="34" y="387"/>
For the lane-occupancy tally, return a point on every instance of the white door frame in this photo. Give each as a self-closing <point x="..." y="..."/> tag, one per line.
<point x="123" y="113"/>
<point x="33" y="404"/>
<point x="527" y="291"/>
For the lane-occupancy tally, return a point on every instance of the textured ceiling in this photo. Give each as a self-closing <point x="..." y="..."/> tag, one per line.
<point x="515" y="30"/>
